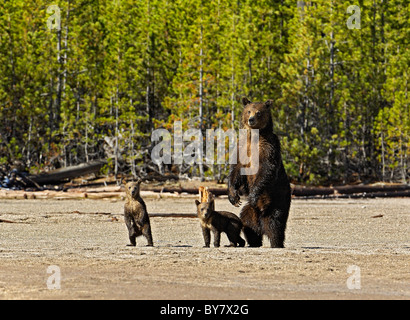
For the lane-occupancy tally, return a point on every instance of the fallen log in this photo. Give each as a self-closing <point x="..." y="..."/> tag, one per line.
<point x="353" y="190"/>
<point x="96" y="190"/>
<point x="105" y="195"/>
<point x="160" y="177"/>
<point x="60" y="175"/>
<point x="370" y="188"/>
<point x="214" y="191"/>
<point x="327" y="192"/>
<point x="300" y="191"/>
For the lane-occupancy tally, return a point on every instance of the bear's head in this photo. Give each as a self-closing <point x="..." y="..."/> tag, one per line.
<point x="256" y="115"/>
<point x="205" y="207"/>
<point x="132" y="189"/>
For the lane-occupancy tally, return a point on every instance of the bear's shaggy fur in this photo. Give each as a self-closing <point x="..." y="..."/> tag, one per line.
<point x="136" y="215"/>
<point x="218" y="222"/>
<point x="268" y="191"/>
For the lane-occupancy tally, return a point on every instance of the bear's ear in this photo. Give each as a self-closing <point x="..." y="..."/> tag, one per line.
<point x="245" y="101"/>
<point x="197" y="202"/>
<point x="269" y="103"/>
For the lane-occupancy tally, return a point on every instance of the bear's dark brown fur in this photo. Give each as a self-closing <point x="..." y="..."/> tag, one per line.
<point x="268" y="191"/>
<point x="136" y="215"/>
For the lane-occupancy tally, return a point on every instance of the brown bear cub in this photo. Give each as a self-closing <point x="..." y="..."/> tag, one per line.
<point x="217" y="222"/>
<point x="136" y="215"/>
<point x="268" y="190"/>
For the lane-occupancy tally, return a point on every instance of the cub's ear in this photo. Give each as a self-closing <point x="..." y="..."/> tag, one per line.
<point x="197" y="203"/>
<point x="269" y="103"/>
<point x="245" y="101"/>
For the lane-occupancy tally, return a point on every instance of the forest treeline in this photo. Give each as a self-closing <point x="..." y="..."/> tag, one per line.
<point x="91" y="79"/>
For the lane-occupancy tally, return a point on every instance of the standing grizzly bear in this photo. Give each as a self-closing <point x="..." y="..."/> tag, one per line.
<point x="136" y="215"/>
<point x="268" y="191"/>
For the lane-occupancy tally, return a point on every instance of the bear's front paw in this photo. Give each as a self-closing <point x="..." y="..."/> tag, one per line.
<point x="235" y="199"/>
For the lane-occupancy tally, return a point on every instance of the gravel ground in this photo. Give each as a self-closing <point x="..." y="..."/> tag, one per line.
<point x="330" y="244"/>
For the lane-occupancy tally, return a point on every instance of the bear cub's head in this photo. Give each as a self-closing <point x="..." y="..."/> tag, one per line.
<point x="205" y="209"/>
<point x="132" y="189"/>
<point x="256" y="115"/>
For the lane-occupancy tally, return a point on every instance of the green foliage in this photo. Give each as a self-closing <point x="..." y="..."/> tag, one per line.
<point x="118" y="69"/>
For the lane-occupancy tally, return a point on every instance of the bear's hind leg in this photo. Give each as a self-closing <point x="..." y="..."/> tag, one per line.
<point x="146" y="231"/>
<point x="133" y="231"/>
<point x="254" y="239"/>
<point x="251" y="225"/>
<point x="235" y="239"/>
<point x="234" y="235"/>
<point x="275" y="230"/>
<point x="241" y="242"/>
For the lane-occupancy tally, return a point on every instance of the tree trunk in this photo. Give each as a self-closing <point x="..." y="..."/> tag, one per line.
<point x="201" y="101"/>
<point x="57" y="104"/>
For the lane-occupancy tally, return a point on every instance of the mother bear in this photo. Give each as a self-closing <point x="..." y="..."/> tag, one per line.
<point x="268" y="191"/>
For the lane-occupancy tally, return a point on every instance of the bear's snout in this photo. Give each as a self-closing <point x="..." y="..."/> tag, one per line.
<point x="251" y="121"/>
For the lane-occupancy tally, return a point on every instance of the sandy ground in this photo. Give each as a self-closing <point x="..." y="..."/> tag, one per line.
<point x="86" y="240"/>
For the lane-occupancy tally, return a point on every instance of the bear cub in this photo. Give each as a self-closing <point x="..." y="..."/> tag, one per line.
<point x="218" y="222"/>
<point x="136" y="215"/>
